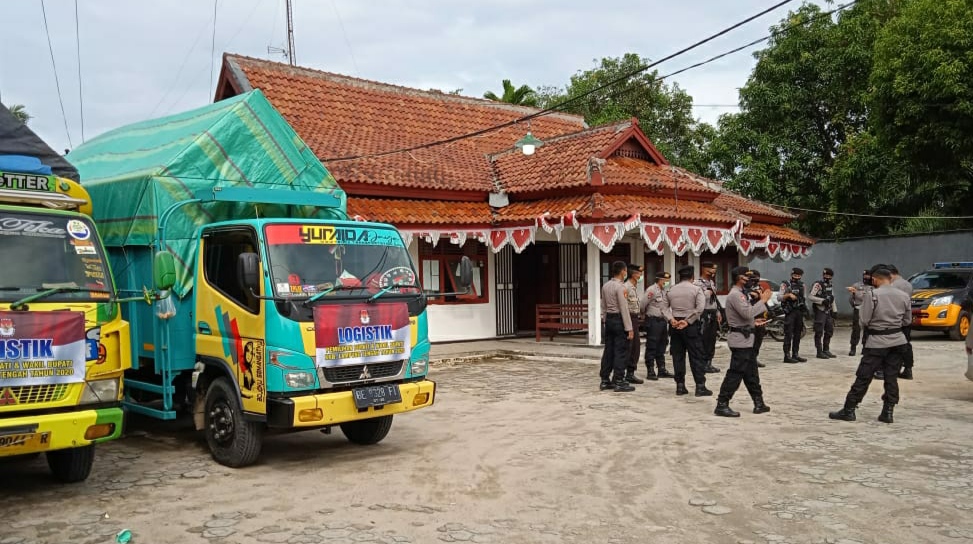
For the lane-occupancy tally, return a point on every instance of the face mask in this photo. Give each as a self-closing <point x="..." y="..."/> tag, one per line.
<point x="665" y="285"/>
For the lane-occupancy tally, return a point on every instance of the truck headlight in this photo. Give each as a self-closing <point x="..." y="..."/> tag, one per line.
<point x="100" y="391"/>
<point x="299" y="380"/>
<point x="941" y="301"/>
<point x="420" y="366"/>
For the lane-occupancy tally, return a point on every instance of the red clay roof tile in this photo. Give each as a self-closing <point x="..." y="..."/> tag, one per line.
<point x="617" y="207"/>
<point x="421" y="212"/>
<point x="740" y="204"/>
<point x="777" y="233"/>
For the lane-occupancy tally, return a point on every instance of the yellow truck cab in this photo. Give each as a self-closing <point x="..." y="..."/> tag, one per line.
<point x="942" y="299"/>
<point x="63" y="344"/>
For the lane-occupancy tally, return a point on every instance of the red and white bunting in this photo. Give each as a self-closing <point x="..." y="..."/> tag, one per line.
<point x="458" y="238"/>
<point x="518" y="237"/>
<point x="549" y="224"/>
<point x="775" y="249"/>
<point x="682" y="238"/>
<point x="603" y="235"/>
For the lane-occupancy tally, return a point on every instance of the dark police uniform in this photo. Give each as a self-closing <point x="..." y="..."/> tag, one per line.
<point x="740" y="314"/>
<point x="885" y="312"/>
<point x="856" y="298"/>
<point x="656" y="300"/>
<point x="708" y="323"/>
<point x="633" y="295"/>
<point x="686" y="303"/>
<point x="759" y="331"/>
<point x="614" y="307"/>
<point x="822" y="299"/>
<point x="793" y="317"/>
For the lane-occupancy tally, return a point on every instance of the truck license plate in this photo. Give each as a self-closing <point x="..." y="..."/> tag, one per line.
<point x="12" y="443"/>
<point x="376" y="395"/>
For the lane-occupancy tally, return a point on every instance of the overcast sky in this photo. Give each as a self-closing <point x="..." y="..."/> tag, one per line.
<point x="143" y="59"/>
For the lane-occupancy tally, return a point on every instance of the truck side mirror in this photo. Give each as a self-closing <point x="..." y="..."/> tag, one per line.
<point x="163" y="270"/>
<point x="248" y="272"/>
<point x="465" y="273"/>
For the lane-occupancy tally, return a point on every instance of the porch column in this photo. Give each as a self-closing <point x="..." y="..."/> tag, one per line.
<point x="669" y="260"/>
<point x="638" y="251"/>
<point x="594" y="294"/>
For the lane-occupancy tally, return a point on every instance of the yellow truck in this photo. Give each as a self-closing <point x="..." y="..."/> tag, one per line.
<point x="63" y="344"/>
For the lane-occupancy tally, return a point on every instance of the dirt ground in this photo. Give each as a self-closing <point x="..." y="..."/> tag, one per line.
<point x="527" y="450"/>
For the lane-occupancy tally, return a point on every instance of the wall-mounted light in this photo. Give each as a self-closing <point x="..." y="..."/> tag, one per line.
<point x="528" y="144"/>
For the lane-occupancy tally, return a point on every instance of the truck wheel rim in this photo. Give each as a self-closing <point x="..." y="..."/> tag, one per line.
<point x="221" y="422"/>
<point x="964" y="326"/>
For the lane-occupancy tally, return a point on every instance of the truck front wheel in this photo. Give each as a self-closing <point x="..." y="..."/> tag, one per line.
<point x="233" y="441"/>
<point x="961" y="328"/>
<point x="72" y="465"/>
<point x="367" y="431"/>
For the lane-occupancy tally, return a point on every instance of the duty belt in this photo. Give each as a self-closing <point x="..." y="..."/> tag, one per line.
<point x="745" y="331"/>
<point x="883" y="332"/>
<point x="658" y="317"/>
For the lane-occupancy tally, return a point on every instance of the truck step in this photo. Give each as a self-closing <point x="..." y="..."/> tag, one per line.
<point x="150" y="387"/>
<point x="147" y="410"/>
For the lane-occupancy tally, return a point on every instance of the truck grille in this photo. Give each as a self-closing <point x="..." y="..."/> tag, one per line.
<point x="37" y="394"/>
<point x="354" y="373"/>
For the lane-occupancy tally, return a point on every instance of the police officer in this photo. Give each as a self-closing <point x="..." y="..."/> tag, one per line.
<point x="903" y="285"/>
<point x="711" y="316"/>
<point x="753" y="290"/>
<point x="657" y="333"/>
<point x="740" y="314"/>
<point x="885" y="312"/>
<point x="822" y="300"/>
<point x="856" y="295"/>
<point x="634" y="296"/>
<point x="792" y="301"/>
<point x="618" y="331"/>
<point x="686" y="305"/>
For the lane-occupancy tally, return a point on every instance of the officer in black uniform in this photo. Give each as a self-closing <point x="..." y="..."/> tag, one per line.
<point x="792" y="301"/>
<point x="856" y="296"/>
<point x="822" y="299"/>
<point x="657" y="328"/>
<point x="753" y="291"/>
<point x="686" y="306"/>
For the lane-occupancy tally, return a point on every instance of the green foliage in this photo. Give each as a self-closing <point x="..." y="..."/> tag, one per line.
<point x="20" y="113"/>
<point x="523" y="95"/>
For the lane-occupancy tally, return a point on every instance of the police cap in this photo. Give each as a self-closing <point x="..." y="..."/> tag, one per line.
<point x="686" y="272"/>
<point x="828" y="272"/>
<point x="635" y="268"/>
<point x="754" y="273"/>
<point x="739" y="271"/>
<point x="707" y="264"/>
<point x="797" y="271"/>
<point x="662" y="275"/>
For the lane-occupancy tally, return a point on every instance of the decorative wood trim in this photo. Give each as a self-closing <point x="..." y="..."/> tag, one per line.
<point x="387" y="191"/>
<point x="634" y="132"/>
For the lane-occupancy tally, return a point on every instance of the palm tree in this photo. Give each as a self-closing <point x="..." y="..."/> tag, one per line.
<point x="20" y="113"/>
<point x="523" y="95"/>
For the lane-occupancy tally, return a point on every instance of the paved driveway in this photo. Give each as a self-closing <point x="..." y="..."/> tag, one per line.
<point x="526" y="449"/>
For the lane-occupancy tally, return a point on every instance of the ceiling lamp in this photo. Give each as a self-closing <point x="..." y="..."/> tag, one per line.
<point x="528" y="144"/>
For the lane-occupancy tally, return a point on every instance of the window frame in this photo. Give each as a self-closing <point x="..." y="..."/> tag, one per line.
<point x="208" y="236"/>
<point x="448" y="256"/>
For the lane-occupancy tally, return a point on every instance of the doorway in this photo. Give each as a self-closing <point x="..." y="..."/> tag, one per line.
<point x="535" y="278"/>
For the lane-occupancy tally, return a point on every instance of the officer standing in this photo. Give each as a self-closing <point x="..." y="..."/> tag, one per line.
<point x="633" y="295"/>
<point x="657" y="333"/>
<point x="760" y="330"/>
<point x="884" y="313"/>
<point x="686" y="305"/>
<point x="618" y="331"/>
<point x="793" y="304"/>
<point x="740" y="314"/>
<point x="903" y="285"/>
<point x="822" y="300"/>
<point x="711" y="316"/>
<point x="855" y="297"/>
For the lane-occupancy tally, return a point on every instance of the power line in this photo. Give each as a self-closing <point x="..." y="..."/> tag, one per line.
<point x="347" y="41"/>
<point x="212" y="47"/>
<point x="57" y="82"/>
<point x="572" y="99"/>
<point x="77" y="39"/>
<point x="182" y="66"/>
<point x="874" y="216"/>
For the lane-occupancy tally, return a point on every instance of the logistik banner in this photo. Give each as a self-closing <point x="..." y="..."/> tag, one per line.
<point x="40" y="348"/>
<point x="348" y="334"/>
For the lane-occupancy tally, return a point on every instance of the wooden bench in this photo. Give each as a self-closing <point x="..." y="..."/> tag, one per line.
<point x="560" y="317"/>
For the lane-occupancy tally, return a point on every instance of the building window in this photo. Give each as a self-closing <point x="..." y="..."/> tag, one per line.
<point x="439" y="271"/>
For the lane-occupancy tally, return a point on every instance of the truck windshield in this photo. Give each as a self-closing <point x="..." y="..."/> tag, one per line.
<point x="306" y="259"/>
<point x="48" y="250"/>
<point x="941" y="279"/>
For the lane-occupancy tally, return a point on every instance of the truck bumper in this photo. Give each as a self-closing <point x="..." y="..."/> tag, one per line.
<point x="32" y="434"/>
<point x="334" y="408"/>
<point x="928" y="319"/>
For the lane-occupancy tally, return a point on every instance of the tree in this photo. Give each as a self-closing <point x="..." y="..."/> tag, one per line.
<point x="523" y="95"/>
<point x="664" y="112"/>
<point x="20" y="113"/>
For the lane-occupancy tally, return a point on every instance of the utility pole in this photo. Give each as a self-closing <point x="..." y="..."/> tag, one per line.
<point x="290" y="35"/>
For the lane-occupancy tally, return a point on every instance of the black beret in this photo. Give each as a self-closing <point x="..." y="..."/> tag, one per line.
<point x="828" y="272"/>
<point x="798" y="271"/>
<point x="687" y="271"/>
<point x="739" y="271"/>
<point x="754" y="273"/>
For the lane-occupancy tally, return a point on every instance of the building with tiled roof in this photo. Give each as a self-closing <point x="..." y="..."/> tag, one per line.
<point x="541" y="229"/>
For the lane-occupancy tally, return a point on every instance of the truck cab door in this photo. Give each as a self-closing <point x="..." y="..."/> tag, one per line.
<point x="230" y="319"/>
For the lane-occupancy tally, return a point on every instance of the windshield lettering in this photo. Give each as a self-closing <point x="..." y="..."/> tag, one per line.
<point x="17" y="226"/>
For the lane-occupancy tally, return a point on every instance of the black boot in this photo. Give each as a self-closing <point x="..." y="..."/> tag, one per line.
<point x="631" y="378"/>
<point x="906" y="374"/>
<point x="605" y="385"/>
<point x="827" y="351"/>
<point x="886" y="415"/>
<point x="681" y="389"/>
<point x="798" y="358"/>
<point x="759" y="407"/>
<point x="710" y="369"/>
<point x="851" y="352"/>
<point x="789" y="359"/>
<point x="664" y="372"/>
<point x="759" y="364"/>
<point x="845" y="414"/>
<point x="723" y="409"/>
<point x="821" y="355"/>
<point x="701" y="391"/>
<point x="622" y="386"/>
<point x="650" y="375"/>
<point x="879" y="375"/>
